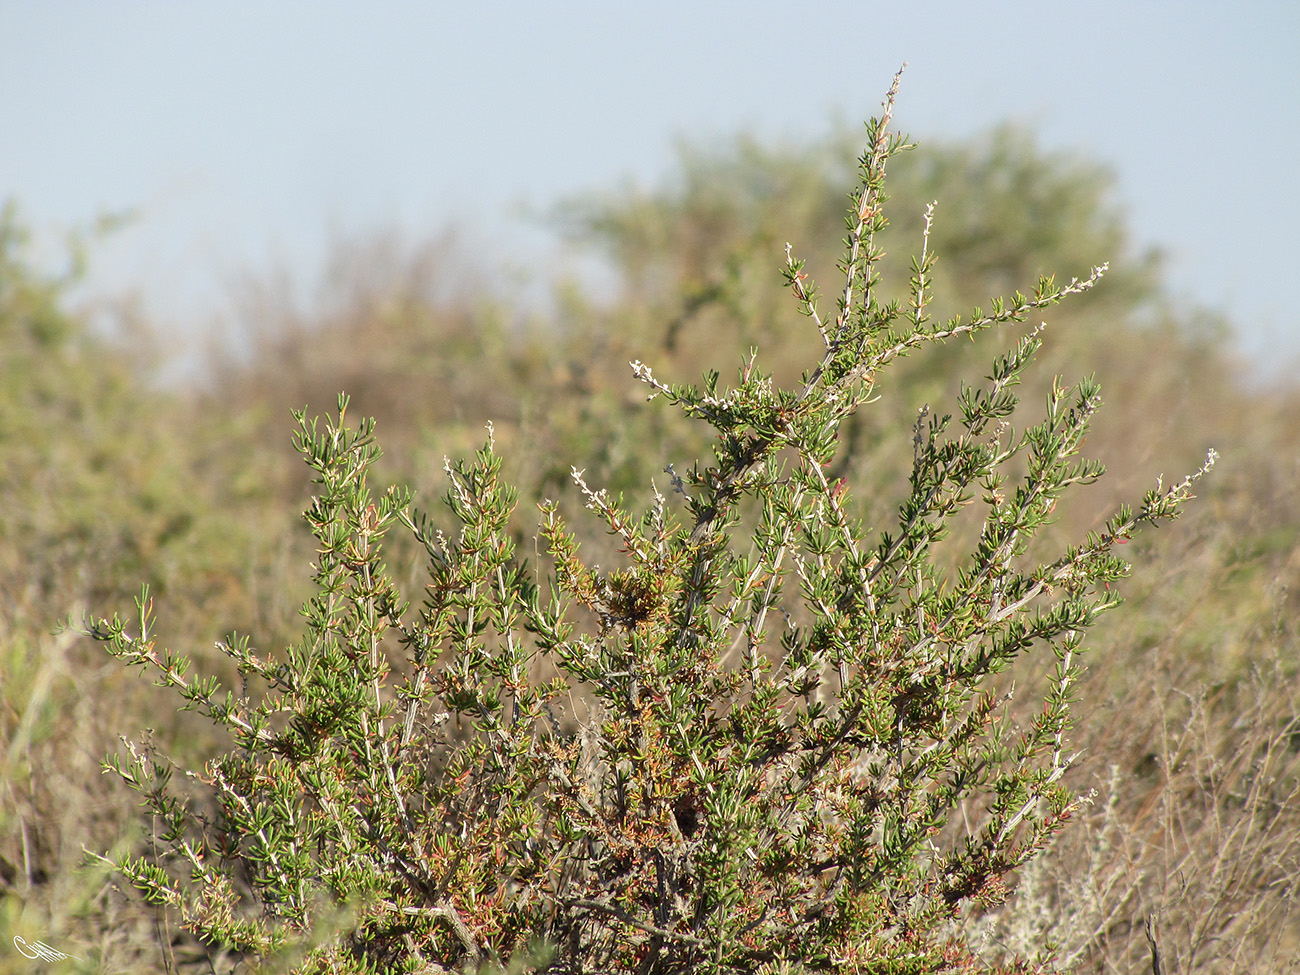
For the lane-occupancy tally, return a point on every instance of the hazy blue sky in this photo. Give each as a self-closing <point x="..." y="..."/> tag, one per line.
<point x="246" y="133"/>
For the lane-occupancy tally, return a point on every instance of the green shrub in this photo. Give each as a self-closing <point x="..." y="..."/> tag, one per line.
<point x="767" y="740"/>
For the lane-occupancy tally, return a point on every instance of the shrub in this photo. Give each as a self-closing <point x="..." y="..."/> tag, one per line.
<point x="768" y="739"/>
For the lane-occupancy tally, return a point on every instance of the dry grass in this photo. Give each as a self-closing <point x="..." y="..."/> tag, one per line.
<point x="1195" y="828"/>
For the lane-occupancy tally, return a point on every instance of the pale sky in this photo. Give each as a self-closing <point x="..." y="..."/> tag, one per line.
<point x="245" y="134"/>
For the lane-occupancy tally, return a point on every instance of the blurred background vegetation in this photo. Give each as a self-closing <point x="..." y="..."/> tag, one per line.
<point x="113" y="477"/>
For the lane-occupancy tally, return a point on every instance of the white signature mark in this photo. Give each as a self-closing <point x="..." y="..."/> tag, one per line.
<point x="40" y="950"/>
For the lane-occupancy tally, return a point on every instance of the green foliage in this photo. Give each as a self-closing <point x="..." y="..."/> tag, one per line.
<point x="768" y="738"/>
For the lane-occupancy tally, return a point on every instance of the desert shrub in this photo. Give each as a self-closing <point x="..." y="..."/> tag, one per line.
<point x="108" y="480"/>
<point x="72" y="509"/>
<point x="767" y="738"/>
<point x="692" y="251"/>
